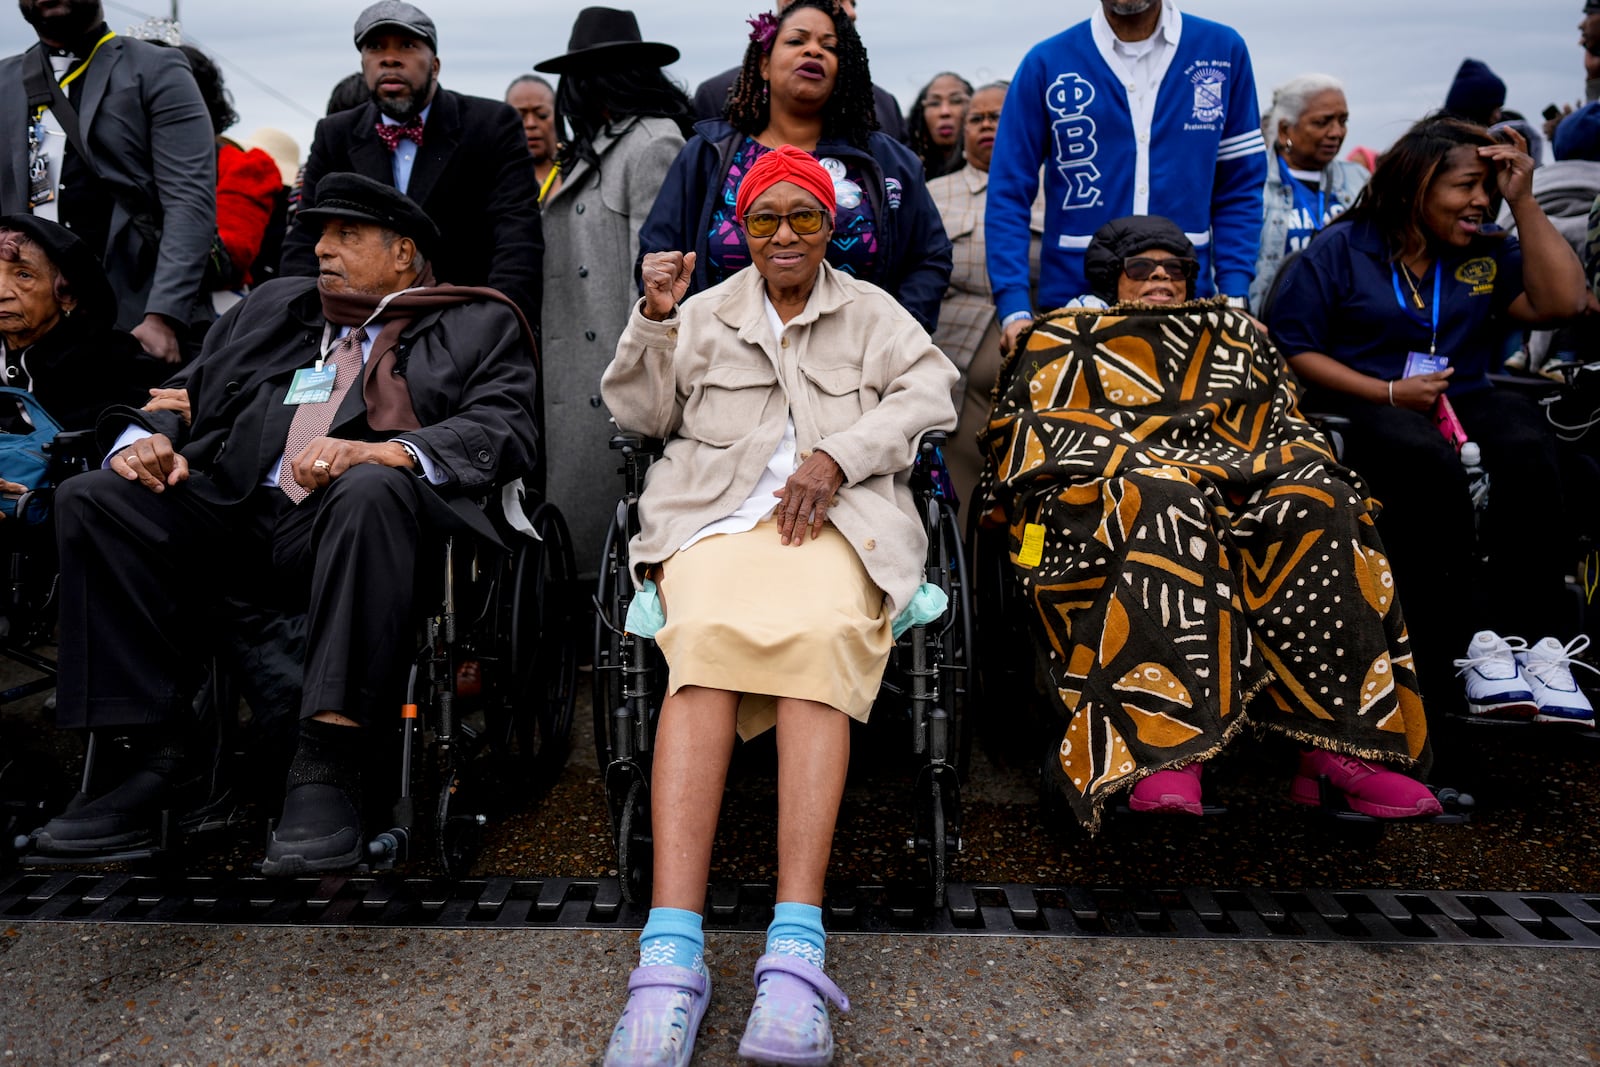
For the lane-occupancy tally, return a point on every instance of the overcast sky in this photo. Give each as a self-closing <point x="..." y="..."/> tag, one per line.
<point x="1396" y="56"/>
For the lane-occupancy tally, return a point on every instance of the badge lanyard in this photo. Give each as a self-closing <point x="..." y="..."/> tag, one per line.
<point x="1394" y="275"/>
<point x="329" y="342"/>
<point x="73" y="74"/>
<point x="1299" y="189"/>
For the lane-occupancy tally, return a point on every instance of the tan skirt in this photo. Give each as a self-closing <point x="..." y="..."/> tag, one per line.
<point x="749" y="614"/>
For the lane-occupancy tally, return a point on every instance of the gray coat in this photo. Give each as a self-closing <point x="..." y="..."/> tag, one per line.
<point x="591" y="232"/>
<point x="150" y="140"/>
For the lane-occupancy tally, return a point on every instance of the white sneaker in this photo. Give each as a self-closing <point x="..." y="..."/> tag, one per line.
<point x="1495" y="681"/>
<point x="1548" y="668"/>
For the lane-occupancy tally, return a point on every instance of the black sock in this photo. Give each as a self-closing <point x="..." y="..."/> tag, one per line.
<point x="329" y="754"/>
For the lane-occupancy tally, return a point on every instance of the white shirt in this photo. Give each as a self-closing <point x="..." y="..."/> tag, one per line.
<point x="761" y="502"/>
<point x="405" y="154"/>
<point x="54" y="145"/>
<point x="369" y="334"/>
<point x="1140" y="66"/>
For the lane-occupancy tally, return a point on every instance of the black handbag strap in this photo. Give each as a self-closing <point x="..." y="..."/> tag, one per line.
<point x="44" y="91"/>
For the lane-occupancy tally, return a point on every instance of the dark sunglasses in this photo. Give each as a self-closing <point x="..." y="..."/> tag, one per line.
<point x="1141" y="268"/>
<point x="765" y="224"/>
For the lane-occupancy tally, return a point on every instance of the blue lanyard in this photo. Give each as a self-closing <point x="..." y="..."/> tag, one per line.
<point x="1394" y="276"/>
<point x="1300" y="191"/>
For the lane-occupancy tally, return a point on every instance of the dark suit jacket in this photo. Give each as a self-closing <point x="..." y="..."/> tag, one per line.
<point x="711" y="99"/>
<point x="150" y="140"/>
<point x="469" y="371"/>
<point x="474" y="178"/>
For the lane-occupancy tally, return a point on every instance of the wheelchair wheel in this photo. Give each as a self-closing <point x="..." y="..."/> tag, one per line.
<point x="610" y="609"/>
<point x="458" y="821"/>
<point x="955" y="639"/>
<point x="938" y="828"/>
<point x="635" y="845"/>
<point x="543" y="644"/>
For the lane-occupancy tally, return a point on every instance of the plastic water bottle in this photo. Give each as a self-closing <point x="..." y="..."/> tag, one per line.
<point x="1477" y="483"/>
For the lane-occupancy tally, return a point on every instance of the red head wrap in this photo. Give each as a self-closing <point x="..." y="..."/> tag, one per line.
<point x="786" y="163"/>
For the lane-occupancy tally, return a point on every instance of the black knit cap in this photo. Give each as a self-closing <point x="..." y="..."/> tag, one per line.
<point x="1124" y="237"/>
<point x="75" y="261"/>
<point x="360" y="199"/>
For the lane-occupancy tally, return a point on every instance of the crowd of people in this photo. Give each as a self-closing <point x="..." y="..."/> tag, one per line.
<point x="1129" y="288"/>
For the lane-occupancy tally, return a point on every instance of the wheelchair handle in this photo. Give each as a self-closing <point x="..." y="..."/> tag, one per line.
<point x="931" y="440"/>
<point x="628" y="441"/>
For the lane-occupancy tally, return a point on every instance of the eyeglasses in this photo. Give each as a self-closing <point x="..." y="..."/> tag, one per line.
<point x="804" y="222"/>
<point x="1140" y="268"/>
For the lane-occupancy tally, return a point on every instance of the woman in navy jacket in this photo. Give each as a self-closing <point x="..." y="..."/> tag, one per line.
<point x="805" y="82"/>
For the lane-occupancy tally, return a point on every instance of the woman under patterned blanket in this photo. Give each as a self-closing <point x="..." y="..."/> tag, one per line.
<point x="1193" y="557"/>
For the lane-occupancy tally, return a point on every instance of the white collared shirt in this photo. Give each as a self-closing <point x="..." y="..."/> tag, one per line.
<point x="1141" y="66"/>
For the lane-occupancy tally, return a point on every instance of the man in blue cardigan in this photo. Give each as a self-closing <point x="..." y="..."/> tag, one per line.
<point x="1138" y="110"/>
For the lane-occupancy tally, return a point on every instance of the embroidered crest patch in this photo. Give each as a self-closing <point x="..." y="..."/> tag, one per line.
<point x="1209" y="92"/>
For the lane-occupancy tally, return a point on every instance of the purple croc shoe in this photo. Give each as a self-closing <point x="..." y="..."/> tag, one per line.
<point x="789" y="1021"/>
<point x="662" y="1016"/>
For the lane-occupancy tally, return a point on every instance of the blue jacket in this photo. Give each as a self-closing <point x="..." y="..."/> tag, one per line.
<point x="1200" y="161"/>
<point x="915" y="253"/>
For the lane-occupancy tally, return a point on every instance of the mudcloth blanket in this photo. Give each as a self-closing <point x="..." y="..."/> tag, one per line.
<point x="1191" y="555"/>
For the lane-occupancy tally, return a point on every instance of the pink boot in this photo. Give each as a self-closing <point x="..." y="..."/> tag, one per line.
<point x="1168" y="791"/>
<point x="1369" y="788"/>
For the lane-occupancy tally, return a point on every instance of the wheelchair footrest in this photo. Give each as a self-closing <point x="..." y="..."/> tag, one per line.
<point x="1206" y="811"/>
<point x="1458" y="807"/>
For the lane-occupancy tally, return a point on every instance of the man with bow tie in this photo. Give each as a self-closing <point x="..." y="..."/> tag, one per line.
<point x="462" y="158"/>
<point x="109" y="137"/>
<point x="335" y="428"/>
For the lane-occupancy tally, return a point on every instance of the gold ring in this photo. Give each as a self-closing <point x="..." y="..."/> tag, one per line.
<point x="322" y="464"/>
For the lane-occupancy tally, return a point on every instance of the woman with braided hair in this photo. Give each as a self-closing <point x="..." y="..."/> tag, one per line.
<point x="805" y="82"/>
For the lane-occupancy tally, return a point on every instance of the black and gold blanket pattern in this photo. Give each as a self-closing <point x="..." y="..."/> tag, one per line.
<point x="1191" y="555"/>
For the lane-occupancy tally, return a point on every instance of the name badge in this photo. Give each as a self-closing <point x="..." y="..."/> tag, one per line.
<point x="40" y="191"/>
<point x="1424" y="363"/>
<point x="312" y="386"/>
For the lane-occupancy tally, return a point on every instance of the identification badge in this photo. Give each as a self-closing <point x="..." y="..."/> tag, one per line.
<point x="312" y="386"/>
<point x="1424" y="363"/>
<point x="1032" y="545"/>
<point x="39" y="189"/>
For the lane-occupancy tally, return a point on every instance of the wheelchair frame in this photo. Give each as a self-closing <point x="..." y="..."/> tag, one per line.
<point x="478" y="746"/>
<point x="930" y="667"/>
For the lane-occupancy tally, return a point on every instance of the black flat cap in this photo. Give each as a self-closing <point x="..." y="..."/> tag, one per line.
<point x="360" y="199"/>
<point x="74" y="260"/>
<point x="396" y="15"/>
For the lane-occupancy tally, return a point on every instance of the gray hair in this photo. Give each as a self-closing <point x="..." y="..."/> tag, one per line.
<point x="1289" y="101"/>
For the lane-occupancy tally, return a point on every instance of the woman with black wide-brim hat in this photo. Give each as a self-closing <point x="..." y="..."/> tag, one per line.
<point x="625" y="123"/>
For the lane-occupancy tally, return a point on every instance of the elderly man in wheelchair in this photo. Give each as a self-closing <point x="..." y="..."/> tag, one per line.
<point x="336" y="427"/>
<point x="1190" y="555"/>
<point x="778" y="549"/>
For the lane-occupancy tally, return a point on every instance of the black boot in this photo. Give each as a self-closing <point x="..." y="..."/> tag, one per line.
<point x="320" y="829"/>
<point x="126" y="818"/>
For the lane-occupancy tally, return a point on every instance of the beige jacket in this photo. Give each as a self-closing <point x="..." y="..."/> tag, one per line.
<point x="856" y="372"/>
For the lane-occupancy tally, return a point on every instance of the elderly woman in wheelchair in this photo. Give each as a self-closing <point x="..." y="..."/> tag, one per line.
<point x="1191" y="555"/>
<point x="779" y="550"/>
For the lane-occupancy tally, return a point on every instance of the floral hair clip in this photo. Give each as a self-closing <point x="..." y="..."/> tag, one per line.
<point x="763" y="28"/>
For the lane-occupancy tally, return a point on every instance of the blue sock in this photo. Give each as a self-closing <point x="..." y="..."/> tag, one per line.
<point x="796" y="930"/>
<point x="673" y="937"/>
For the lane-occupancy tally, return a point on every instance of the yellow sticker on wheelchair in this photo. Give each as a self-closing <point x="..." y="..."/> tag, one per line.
<point x="1032" y="545"/>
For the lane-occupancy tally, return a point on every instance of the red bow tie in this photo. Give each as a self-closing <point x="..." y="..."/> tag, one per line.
<point x="390" y="135"/>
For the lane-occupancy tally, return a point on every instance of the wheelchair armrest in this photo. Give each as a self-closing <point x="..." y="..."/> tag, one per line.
<point x="628" y="441"/>
<point x="931" y="440"/>
<point x="1325" y="421"/>
<point x="70" y="443"/>
<point x="1533" y="386"/>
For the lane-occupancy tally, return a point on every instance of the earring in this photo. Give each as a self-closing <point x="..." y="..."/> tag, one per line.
<point x="66" y="313"/>
<point x="763" y="90"/>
